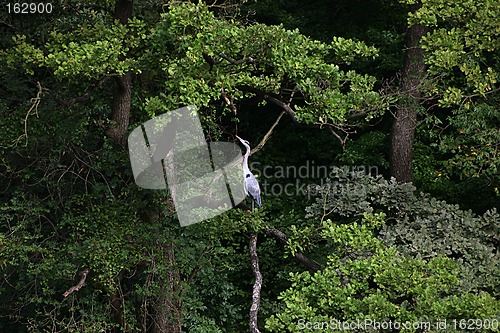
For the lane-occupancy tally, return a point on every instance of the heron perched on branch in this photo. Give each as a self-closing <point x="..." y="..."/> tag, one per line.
<point x="250" y="184"/>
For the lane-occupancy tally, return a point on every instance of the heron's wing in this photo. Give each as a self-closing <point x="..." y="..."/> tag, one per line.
<point x="245" y="186"/>
<point x="253" y="188"/>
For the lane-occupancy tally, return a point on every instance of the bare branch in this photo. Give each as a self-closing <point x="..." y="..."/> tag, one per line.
<point x="35" y="103"/>
<point x="360" y="114"/>
<point x="292" y="94"/>
<point x="276" y="101"/>
<point x="280" y="235"/>
<point x="83" y="276"/>
<point x="492" y="91"/>
<point x="229" y="101"/>
<point x="342" y="142"/>
<point x="267" y="136"/>
<point x="291" y="112"/>
<point x="254" y="309"/>
<point x="249" y="60"/>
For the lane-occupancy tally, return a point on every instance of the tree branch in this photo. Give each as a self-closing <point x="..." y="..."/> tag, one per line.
<point x="254" y="309"/>
<point x="280" y="235"/>
<point x="342" y="142"/>
<point x="267" y="136"/>
<point x="249" y="60"/>
<point x="83" y="276"/>
<point x="311" y="265"/>
<point x="228" y="101"/>
<point x="276" y="101"/>
<point x="286" y="107"/>
<point x="36" y="102"/>
<point x="87" y="94"/>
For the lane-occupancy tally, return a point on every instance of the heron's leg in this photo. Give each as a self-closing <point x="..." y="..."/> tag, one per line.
<point x="253" y="203"/>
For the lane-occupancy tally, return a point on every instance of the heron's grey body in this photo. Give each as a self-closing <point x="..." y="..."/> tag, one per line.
<point x="250" y="184"/>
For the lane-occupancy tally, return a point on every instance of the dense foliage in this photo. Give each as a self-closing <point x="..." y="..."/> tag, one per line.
<point x="84" y="249"/>
<point x="395" y="256"/>
<point x="364" y="279"/>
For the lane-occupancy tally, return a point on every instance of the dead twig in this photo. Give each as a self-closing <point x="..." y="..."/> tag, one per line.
<point x="229" y="101"/>
<point x="35" y="102"/>
<point x="285" y="106"/>
<point x="342" y="142"/>
<point x="83" y="276"/>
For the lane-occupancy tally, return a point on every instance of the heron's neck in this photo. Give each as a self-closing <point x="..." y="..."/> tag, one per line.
<point x="245" y="160"/>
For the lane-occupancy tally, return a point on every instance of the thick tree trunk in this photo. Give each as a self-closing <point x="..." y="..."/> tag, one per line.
<point x="123" y="10"/>
<point x="115" y="302"/>
<point x="403" y="129"/>
<point x="122" y="97"/>
<point x="122" y="93"/>
<point x="167" y="308"/>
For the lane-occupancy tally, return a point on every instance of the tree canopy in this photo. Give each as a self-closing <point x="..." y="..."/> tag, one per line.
<point x="375" y="136"/>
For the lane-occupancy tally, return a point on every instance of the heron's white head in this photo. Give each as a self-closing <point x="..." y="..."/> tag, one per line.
<point x="245" y="142"/>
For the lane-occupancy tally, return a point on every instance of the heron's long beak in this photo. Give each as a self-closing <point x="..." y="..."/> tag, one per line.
<point x="243" y="142"/>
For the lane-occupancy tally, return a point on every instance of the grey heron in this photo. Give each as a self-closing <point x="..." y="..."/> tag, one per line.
<point x="250" y="184"/>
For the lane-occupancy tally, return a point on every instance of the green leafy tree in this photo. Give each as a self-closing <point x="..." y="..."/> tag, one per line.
<point x="83" y="248"/>
<point x="459" y="45"/>
<point x="392" y="256"/>
<point x="211" y="60"/>
<point x="418" y="225"/>
<point x="461" y="48"/>
<point x="365" y="280"/>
